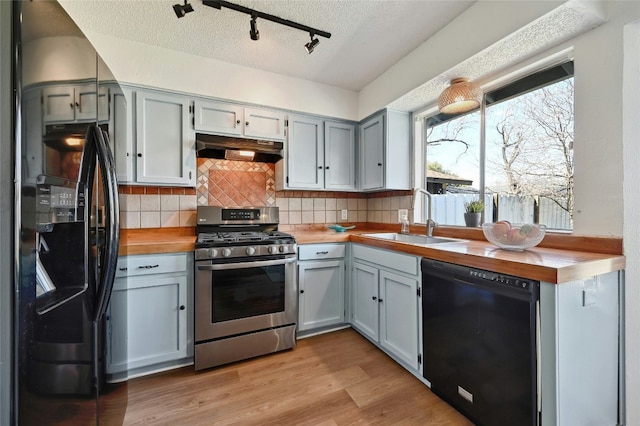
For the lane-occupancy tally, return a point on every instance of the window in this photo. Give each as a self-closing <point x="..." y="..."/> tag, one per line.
<point x="515" y="153"/>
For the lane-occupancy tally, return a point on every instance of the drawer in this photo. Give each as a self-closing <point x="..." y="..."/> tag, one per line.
<point x="320" y="251"/>
<point x="130" y="266"/>
<point x="387" y="259"/>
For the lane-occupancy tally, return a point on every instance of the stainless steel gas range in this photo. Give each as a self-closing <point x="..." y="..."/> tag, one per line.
<point x="245" y="285"/>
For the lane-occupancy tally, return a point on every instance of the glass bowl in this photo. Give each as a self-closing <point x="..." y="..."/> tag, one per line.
<point x="514" y="236"/>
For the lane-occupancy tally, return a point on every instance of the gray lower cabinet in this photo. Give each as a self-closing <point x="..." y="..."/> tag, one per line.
<point x="149" y="324"/>
<point x="385" y="302"/>
<point x="321" y="282"/>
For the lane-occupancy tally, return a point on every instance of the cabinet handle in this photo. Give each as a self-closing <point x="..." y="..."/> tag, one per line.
<point x="139" y="155"/>
<point x="182" y="308"/>
<point x="246" y="123"/>
<point x="71" y="105"/>
<point x="320" y="167"/>
<point x="379" y="300"/>
<point x="374" y="298"/>
<point x="238" y="122"/>
<point x="322" y="252"/>
<point x="380" y="164"/>
<point x="123" y="269"/>
<point x="327" y="167"/>
<point x="301" y="291"/>
<point x="148" y="266"/>
<point x="77" y="105"/>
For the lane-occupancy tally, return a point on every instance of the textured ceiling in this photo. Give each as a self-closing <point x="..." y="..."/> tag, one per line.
<point x="368" y="36"/>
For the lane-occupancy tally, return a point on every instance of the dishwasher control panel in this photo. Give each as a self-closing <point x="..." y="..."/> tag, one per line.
<point x="500" y="278"/>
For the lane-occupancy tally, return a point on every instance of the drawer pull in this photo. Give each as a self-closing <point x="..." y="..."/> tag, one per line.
<point x="123" y="269"/>
<point x="322" y="252"/>
<point x="148" y="266"/>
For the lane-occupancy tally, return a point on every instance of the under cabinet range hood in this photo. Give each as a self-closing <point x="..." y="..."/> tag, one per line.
<point x="239" y="149"/>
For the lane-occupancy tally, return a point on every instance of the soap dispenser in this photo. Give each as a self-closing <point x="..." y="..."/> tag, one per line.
<point x="404" y="223"/>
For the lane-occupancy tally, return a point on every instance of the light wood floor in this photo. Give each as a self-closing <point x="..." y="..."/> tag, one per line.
<point x="338" y="378"/>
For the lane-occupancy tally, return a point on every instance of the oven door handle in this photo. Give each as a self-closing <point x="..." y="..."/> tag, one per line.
<point x="241" y="265"/>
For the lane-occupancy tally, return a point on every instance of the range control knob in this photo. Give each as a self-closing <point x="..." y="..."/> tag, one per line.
<point x="213" y="252"/>
<point x="226" y="252"/>
<point x="250" y="250"/>
<point x="283" y="249"/>
<point x="273" y="249"/>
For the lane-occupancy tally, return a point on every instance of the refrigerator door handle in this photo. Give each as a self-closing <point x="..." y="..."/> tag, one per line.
<point x="112" y="222"/>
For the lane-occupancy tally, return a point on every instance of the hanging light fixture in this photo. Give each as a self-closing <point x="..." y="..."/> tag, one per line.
<point x="312" y="44"/>
<point x="254" y="33"/>
<point x="460" y="96"/>
<point x="182" y="9"/>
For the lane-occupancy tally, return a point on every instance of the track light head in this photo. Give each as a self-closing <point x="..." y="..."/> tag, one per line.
<point x="312" y="44"/>
<point x="182" y="9"/>
<point x="254" y="33"/>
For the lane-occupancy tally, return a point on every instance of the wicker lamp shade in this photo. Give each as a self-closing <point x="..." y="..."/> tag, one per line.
<point x="460" y="96"/>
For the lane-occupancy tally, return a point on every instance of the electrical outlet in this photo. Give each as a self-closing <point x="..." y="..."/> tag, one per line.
<point x="402" y="212"/>
<point x="343" y="214"/>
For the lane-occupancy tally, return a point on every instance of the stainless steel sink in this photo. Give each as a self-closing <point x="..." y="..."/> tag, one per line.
<point x="422" y="240"/>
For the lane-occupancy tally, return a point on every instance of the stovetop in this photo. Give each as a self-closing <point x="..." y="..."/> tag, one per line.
<point x="256" y="237"/>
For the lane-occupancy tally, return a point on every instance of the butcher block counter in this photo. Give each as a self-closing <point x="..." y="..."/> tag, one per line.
<point x="558" y="259"/>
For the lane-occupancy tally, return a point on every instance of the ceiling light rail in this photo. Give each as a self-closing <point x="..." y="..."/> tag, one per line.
<point x="182" y="10"/>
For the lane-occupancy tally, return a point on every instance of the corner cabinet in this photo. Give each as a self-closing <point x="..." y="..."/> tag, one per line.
<point x="385" y="302"/>
<point x="165" y="143"/>
<point x="223" y="118"/>
<point x="385" y="151"/>
<point x="319" y="155"/>
<point x="149" y="321"/>
<point x="321" y="282"/>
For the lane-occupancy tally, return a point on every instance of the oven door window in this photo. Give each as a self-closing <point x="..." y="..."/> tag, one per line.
<point x="247" y="292"/>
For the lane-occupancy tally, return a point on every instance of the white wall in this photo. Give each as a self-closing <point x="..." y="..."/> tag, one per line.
<point x="631" y="156"/>
<point x="183" y="72"/>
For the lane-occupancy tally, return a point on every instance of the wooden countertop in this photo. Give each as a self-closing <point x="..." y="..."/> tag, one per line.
<point x="558" y="259"/>
<point x="156" y="240"/>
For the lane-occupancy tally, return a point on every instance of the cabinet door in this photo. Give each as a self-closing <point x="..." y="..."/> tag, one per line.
<point x="147" y="322"/>
<point x="32" y="150"/>
<point x="86" y="102"/>
<point x="218" y="117"/>
<point x="339" y="156"/>
<point x="321" y="293"/>
<point x="399" y="316"/>
<point x="58" y="104"/>
<point x="305" y="153"/>
<point x="122" y="135"/>
<point x="165" y="145"/>
<point x="263" y="124"/>
<point x="372" y="153"/>
<point x="365" y="300"/>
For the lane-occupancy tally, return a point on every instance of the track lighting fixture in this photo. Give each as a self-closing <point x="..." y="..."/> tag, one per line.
<point x="312" y="44"/>
<point x="182" y="9"/>
<point x="254" y="33"/>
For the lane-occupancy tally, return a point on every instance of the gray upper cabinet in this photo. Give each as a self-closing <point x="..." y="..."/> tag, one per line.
<point x="385" y="151"/>
<point x="165" y="143"/>
<point x="70" y="103"/>
<point x="319" y="155"/>
<point x="339" y="156"/>
<point x="234" y="120"/>
<point x="305" y="153"/>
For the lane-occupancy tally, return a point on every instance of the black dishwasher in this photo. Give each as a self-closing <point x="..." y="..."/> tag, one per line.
<point x="479" y="338"/>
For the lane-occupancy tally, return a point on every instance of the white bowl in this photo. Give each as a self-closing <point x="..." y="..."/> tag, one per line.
<point x="514" y="236"/>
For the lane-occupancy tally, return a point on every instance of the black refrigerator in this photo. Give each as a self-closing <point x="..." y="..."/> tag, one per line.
<point x="67" y="221"/>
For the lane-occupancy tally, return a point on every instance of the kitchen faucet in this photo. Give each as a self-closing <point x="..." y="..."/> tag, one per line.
<point x="430" y="222"/>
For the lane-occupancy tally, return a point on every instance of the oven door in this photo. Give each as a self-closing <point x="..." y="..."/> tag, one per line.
<point x="240" y="297"/>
